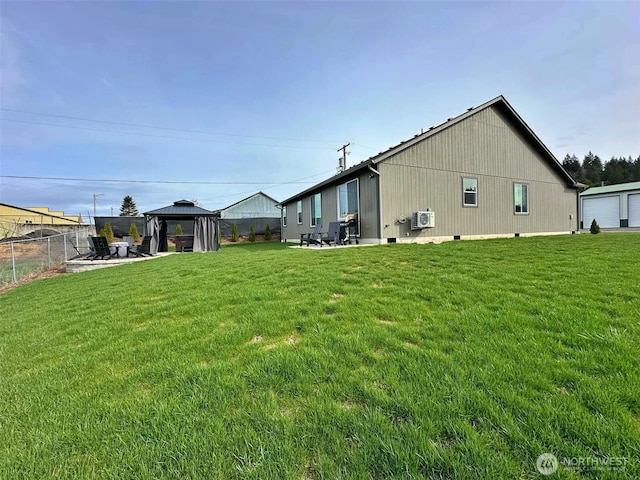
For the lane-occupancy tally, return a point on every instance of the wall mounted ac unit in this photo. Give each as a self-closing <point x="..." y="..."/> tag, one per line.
<point x="426" y="219"/>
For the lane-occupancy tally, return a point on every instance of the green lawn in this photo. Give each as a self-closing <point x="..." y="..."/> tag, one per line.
<point x="461" y="360"/>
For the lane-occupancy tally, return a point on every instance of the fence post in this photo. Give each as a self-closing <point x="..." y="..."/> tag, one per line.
<point x="48" y="252"/>
<point x="64" y="242"/>
<point x="13" y="263"/>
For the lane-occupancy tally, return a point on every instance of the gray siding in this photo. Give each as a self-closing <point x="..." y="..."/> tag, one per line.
<point x="258" y="206"/>
<point x="487" y="147"/>
<point x="369" y="212"/>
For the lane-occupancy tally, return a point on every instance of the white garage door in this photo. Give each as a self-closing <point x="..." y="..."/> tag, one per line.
<point x="634" y="210"/>
<point x="606" y="211"/>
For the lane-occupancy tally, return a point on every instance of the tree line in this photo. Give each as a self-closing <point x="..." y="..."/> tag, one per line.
<point x="592" y="171"/>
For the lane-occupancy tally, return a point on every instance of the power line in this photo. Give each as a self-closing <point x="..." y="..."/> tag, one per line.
<point x="138" y="125"/>
<point x="160" y="136"/>
<point x="113" y="180"/>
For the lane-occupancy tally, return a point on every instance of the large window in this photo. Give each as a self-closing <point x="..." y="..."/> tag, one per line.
<point x="316" y="209"/>
<point x="520" y="198"/>
<point x="470" y="192"/>
<point x="348" y="199"/>
<point x="349" y="203"/>
<point x="284" y="216"/>
<point x="299" y="211"/>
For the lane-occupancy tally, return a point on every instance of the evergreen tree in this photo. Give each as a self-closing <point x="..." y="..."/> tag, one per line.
<point x="592" y="166"/>
<point x="128" y="208"/>
<point x="107" y="232"/>
<point x="179" y="230"/>
<point x="235" y="236"/>
<point x="267" y="233"/>
<point x="614" y="172"/>
<point x="572" y="165"/>
<point x="133" y="232"/>
<point x="252" y="233"/>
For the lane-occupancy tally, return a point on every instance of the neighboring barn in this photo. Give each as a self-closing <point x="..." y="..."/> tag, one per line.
<point x="612" y="206"/>
<point x="17" y="222"/>
<point x="482" y="174"/>
<point x="258" y="210"/>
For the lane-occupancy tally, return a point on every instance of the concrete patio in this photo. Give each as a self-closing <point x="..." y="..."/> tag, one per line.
<point x="84" y="265"/>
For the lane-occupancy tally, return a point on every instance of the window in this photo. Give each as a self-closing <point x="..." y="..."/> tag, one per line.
<point x="470" y="192"/>
<point x="520" y="198"/>
<point x="348" y="202"/>
<point x="299" y="210"/>
<point x="316" y="209"/>
<point x="284" y="216"/>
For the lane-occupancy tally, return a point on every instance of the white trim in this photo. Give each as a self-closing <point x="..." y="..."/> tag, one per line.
<point x="312" y="221"/>
<point x="513" y="199"/>
<point x="475" y="192"/>
<point x="357" y="180"/>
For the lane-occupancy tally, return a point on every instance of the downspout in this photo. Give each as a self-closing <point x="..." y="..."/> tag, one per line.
<point x="380" y="226"/>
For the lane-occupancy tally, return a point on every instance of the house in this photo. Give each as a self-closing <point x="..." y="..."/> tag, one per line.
<point x="482" y="174"/>
<point x="19" y="221"/>
<point x="612" y="206"/>
<point x="258" y="210"/>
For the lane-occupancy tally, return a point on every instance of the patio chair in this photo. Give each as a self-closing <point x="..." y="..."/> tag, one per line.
<point x="100" y="248"/>
<point x="79" y="253"/>
<point x="333" y="234"/>
<point x="313" y="237"/>
<point x="143" y="249"/>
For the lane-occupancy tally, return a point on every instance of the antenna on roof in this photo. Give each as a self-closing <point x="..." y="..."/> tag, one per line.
<point x="342" y="161"/>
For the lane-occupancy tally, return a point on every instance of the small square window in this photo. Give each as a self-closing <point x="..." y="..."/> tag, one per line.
<point x="470" y="192"/>
<point x="284" y="216"/>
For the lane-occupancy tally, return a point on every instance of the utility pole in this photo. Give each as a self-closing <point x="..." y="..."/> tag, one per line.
<point x="342" y="166"/>
<point x="95" y="196"/>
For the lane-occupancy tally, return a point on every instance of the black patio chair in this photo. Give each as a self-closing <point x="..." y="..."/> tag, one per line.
<point x="100" y="248"/>
<point x="313" y="237"/>
<point x="143" y="249"/>
<point x="332" y="235"/>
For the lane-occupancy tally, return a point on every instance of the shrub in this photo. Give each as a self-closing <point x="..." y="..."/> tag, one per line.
<point x="107" y="232"/>
<point x="133" y="232"/>
<point x="267" y="233"/>
<point x="252" y="234"/>
<point x="595" y="228"/>
<point x="235" y="236"/>
<point x="179" y="230"/>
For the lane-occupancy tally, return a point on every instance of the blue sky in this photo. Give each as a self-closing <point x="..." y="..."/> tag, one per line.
<point x="245" y="96"/>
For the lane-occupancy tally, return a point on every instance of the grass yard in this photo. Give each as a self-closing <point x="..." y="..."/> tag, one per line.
<point x="460" y="360"/>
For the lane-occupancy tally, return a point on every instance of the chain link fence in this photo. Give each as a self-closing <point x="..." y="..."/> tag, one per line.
<point x="19" y="258"/>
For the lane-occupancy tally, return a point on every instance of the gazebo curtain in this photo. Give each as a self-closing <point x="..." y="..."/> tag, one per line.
<point x="153" y="229"/>
<point x="205" y="234"/>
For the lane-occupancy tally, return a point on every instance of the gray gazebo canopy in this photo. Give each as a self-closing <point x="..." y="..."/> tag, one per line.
<point x="205" y="225"/>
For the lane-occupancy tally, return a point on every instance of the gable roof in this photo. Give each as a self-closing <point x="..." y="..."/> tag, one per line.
<point x="498" y="102"/>
<point x="620" y="187"/>
<point x="181" y="208"/>
<point x="46" y="214"/>
<point x="275" y="202"/>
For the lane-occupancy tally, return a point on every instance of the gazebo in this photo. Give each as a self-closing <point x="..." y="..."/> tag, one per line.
<point x="204" y="231"/>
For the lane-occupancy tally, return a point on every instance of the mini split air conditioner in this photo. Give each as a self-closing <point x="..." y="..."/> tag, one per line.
<point x="421" y="220"/>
